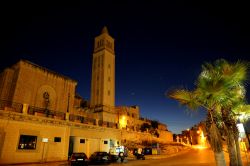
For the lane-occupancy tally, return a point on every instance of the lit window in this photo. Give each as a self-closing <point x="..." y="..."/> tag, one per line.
<point x="27" y="142"/>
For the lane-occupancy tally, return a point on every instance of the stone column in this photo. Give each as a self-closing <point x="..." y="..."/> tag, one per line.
<point x="2" y="137"/>
<point x="25" y="108"/>
<point x="67" y="116"/>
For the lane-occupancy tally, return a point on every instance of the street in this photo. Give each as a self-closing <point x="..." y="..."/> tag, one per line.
<point x="193" y="157"/>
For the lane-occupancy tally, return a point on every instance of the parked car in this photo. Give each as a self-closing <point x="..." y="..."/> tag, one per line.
<point x="78" y="159"/>
<point x="100" y="158"/>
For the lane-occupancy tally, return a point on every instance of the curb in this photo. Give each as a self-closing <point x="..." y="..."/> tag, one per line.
<point x="155" y="157"/>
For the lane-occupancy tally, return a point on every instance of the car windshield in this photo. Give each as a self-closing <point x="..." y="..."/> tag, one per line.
<point x="100" y="153"/>
<point x="78" y="154"/>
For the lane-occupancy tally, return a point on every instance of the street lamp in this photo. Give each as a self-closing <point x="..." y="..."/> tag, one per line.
<point x="122" y="119"/>
<point x="241" y="128"/>
<point x="123" y="122"/>
<point x="44" y="140"/>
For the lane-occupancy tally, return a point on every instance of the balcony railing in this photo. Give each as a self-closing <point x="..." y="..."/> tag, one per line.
<point x="13" y="106"/>
<point x="36" y="111"/>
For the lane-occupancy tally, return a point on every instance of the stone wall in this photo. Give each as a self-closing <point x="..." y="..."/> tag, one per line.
<point x="33" y="81"/>
<point x="138" y="137"/>
<point x="50" y="151"/>
<point x="13" y="124"/>
<point x="26" y="82"/>
<point x="6" y="83"/>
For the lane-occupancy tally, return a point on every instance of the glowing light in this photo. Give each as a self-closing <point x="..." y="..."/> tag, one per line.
<point x="199" y="147"/>
<point x="123" y="122"/>
<point x="45" y="140"/>
<point x="240" y="128"/>
<point x="203" y="140"/>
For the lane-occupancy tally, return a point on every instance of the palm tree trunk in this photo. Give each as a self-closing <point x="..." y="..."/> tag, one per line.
<point x="219" y="158"/>
<point x="238" y="153"/>
<point x="232" y="149"/>
<point x="214" y="138"/>
<point x="237" y="145"/>
<point x="232" y="138"/>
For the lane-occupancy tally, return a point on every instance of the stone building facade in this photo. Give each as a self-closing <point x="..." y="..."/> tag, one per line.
<point x="42" y="118"/>
<point x="28" y="83"/>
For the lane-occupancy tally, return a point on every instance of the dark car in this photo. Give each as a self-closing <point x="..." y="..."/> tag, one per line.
<point x="78" y="159"/>
<point x="100" y="158"/>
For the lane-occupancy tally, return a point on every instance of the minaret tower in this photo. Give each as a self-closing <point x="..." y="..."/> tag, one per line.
<point x="103" y="73"/>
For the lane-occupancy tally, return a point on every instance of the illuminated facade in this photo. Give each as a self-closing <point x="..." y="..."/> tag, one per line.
<point x="42" y="118"/>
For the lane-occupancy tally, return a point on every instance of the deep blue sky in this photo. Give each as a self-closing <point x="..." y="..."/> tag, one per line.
<point x="159" y="45"/>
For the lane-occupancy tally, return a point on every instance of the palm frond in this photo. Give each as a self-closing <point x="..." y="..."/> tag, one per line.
<point x="184" y="97"/>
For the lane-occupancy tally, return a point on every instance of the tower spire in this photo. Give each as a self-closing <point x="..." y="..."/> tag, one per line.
<point x="105" y="30"/>
<point x="103" y="71"/>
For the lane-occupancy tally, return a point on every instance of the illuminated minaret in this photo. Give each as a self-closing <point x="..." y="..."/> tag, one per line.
<point x="103" y="72"/>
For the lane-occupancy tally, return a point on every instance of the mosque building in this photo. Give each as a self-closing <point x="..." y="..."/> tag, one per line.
<point x="42" y="118"/>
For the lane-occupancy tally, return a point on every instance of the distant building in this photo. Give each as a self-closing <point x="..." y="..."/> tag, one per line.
<point x="42" y="118"/>
<point x="197" y="135"/>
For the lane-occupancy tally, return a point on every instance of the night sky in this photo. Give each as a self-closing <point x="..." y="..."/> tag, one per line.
<point x="158" y="45"/>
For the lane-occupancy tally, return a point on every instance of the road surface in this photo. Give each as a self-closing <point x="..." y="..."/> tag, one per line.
<point x="192" y="157"/>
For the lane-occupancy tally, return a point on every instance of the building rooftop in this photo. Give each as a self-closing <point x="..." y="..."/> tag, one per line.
<point x="47" y="70"/>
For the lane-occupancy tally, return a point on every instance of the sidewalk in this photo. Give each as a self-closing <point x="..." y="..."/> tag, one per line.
<point x="56" y="163"/>
<point x="162" y="156"/>
<point x="158" y="156"/>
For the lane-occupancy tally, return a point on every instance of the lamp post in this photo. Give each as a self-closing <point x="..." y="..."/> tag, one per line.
<point x="242" y="134"/>
<point x="67" y="113"/>
<point x="241" y="128"/>
<point x="44" y="141"/>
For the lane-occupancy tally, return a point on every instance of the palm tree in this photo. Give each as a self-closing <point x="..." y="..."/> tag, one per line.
<point x="229" y="79"/>
<point x="193" y="100"/>
<point x="217" y="90"/>
<point x="234" y="75"/>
